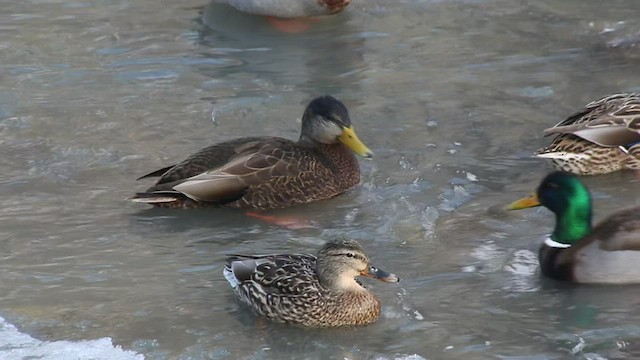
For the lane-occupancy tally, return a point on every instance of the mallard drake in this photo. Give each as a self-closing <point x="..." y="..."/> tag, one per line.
<point x="601" y="138"/>
<point x="576" y="252"/>
<point x="267" y="172"/>
<point x="307" y="290"/>
<point x="288" y="8"/>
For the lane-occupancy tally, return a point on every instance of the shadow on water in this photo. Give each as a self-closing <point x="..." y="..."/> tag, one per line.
<point x="295" y="229"/>
<point x="327" y="58"/>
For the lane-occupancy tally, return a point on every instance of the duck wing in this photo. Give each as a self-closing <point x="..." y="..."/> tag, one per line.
<point x="620" y="231"/>
<point x="255" y="163"/>
<point x="606" y="122"/>
<point x="276" y="275"/>
<point x="609" y="254"/>
<point x="208" y="158"/>
<point x="223" y="172"/>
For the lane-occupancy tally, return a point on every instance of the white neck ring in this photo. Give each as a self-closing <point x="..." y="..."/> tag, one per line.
<point x="554" y="244"/>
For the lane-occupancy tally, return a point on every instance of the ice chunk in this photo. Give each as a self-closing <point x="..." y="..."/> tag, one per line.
<point x="17" y="345"/>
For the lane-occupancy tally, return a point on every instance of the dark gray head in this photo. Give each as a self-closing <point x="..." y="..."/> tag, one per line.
<point x="326" y="121"/>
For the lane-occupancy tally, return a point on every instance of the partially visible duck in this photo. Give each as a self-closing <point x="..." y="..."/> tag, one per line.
<point x="288" y="8"/>
<point x="601" y="138"/>
<point x="607" y="254"/>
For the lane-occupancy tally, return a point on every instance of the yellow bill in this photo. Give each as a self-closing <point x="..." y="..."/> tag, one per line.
<point x="350" y="139"/>
<point x="529" y="201"/>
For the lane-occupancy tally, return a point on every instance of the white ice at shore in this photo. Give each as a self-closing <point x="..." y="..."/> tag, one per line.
<point x="15" y="345"/>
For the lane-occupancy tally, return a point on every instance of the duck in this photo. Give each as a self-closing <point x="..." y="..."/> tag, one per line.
<point x="601" y="138"/>
<point x="267" y="172"/>
<point x="308" y="290"/>
<point x="608" y="253"/>
<point x="288" y="8"/>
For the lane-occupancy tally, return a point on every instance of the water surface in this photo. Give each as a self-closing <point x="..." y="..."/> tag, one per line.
<point x="451" y="96"/>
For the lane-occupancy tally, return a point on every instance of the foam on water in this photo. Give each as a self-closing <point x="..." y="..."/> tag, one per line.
<point x="17" y="345"/>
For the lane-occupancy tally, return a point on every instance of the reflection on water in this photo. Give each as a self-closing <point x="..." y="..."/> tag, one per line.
<point x="451" y="96"/>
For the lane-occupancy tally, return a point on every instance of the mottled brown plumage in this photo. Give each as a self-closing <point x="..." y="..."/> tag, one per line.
<point x="267" y="172"/>
<point x="603" y="137"/>
<point x="307" y="290"/>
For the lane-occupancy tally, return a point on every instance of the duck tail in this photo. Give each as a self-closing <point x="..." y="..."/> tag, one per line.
<point x="156" y="197"/>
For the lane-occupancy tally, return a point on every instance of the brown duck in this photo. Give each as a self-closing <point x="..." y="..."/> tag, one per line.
<point x="307" y="290"/>
<point x="602" y="137"/>
<point x="267" y="172"/>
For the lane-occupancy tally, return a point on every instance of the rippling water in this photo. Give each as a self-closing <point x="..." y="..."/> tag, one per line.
<point x="451" y="96"/>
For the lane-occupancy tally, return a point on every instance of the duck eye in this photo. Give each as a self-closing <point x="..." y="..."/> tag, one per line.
<point x="350" y="255"/>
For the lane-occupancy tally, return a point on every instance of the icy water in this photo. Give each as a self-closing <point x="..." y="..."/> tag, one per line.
<point x="451" y="96"/>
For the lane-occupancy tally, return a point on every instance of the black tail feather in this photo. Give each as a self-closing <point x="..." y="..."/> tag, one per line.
<point x="156" y="173"/>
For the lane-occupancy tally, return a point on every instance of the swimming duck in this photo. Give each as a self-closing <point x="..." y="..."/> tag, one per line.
<point x="307" y="290"/>
<point x="267" y="172"/>
<point x="576" y="252"/>
<point x="288" y="8"/>
<point x="601" y="138"/>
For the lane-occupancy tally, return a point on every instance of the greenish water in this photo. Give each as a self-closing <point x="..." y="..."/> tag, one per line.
<point x="451" y="96"/>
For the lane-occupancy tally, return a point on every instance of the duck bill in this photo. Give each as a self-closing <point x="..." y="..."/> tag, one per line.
<point x="528" y="202"/>
<point x="350" y="139"/>
<point x="374" y="272"/>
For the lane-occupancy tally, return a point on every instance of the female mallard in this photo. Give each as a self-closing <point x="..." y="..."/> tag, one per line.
<point x="601" y="138"/>
<point x="607" y="253"/>
<point x="267" y="172"/>
<point x="288" y="8"/>
<point x="307" y="290"/>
